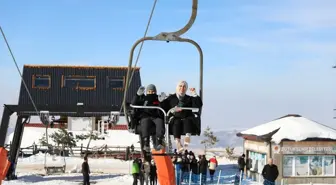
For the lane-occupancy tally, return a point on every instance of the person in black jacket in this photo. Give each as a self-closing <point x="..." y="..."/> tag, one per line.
<point x="203" y="168"/>
<point x="86" y="172"/>
<point x="185" y="168"/>
<point x="153" y="174"/>
<point x="182" y="119"/>
<point x="241" y="164"/>
<point x="193" y="167"/>
<point x="270" y="173"/>
<point x="150" y="117"/>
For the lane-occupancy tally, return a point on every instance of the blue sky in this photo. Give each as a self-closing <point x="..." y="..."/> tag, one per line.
<point x="263" y="59"/>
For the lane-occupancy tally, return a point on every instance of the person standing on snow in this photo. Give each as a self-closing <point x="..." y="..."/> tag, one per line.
<point x="213" y="163"/>
<point x="270" y="173"/>
<point x="203" y="168"/>
<point x="185" y="168"/>
<point x="182" y="121"/>
<point x="241" y="164"/>
<point x="147" y="171"/>
<point x="135" y="171"/>
<point x="150" y="117"/>
<point x="153" y="174"/>
<point x="86" y="172"/>
<point x="142" y="171"/>
<point x="178" y="163"/>
<point x="194" y="167"/>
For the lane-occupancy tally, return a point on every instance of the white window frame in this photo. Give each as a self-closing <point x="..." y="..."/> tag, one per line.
<point x="309" y="158"/>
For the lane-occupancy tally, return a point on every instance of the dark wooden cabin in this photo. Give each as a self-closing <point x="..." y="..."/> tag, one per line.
<point x="67" y="85"/>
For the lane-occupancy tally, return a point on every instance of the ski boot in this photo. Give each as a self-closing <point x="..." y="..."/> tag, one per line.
<point x="159" y="144"/>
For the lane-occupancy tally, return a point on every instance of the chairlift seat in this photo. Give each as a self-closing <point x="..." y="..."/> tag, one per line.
<point x="134" y="123"/>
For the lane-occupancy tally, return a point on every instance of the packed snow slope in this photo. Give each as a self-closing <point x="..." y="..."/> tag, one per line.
<point x="103" y="171"/>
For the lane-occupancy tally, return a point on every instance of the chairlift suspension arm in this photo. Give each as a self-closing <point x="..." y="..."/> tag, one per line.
<point x="190" y="22"/>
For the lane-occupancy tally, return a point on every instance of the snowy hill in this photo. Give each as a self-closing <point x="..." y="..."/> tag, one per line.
<point x="226" y="138"/>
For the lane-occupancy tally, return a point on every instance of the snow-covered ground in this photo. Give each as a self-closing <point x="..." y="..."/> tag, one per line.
<point x="104" y="171"/>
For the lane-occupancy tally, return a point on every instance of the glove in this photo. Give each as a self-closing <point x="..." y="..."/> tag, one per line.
<point x="193" y="92"/>
<point x="162" y="96"/>
<point x="176" y="109"/>
<point x="141" y="91"/>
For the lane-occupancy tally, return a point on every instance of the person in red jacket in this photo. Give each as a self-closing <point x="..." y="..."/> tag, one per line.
<point x="213" y="163"/>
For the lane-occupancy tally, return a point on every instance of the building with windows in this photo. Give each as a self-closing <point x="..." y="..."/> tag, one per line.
<point x="68" y="85"/>
<point x="303" y="150"/>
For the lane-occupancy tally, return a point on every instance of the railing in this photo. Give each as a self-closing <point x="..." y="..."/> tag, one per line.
<point x="101" y="151"/>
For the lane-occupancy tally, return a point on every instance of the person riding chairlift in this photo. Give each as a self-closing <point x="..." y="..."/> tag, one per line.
<point x="182" y="119"/>
<point x="150" y="117"/>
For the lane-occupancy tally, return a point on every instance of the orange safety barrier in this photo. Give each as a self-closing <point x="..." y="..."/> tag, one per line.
<point x="4" y="164"/>
<point x="165" y="168"/>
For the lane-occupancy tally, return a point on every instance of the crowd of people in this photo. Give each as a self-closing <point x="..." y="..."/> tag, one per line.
<point x="144" y="172"/>
<point x="185" y="165"/>
<point x="199" y="168"/>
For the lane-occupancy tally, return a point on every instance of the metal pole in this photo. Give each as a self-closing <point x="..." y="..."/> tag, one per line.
<point x="219" y="175"/>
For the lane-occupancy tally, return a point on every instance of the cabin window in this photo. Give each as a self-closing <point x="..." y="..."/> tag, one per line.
<point x="41" y="81"/>
<point x="115" y="82"/>
<point x="257" y="161"/>
<point x="79" y="82"/>
<point x="308" y="165"/>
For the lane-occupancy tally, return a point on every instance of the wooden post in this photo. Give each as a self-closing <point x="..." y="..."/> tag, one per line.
<point x="105" y="151"/>
<point x="81" y="150"/>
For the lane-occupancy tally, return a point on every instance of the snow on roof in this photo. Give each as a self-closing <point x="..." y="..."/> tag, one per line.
<point x="293" y="127"/>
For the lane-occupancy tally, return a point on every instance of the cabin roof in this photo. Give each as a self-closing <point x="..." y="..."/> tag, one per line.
<point x="77" y="66"/>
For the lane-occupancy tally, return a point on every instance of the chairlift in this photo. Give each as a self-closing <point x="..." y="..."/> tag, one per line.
<point x="51" y="168"/>
<point x="130" y="110"/>
<point x="54" y="167"/>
